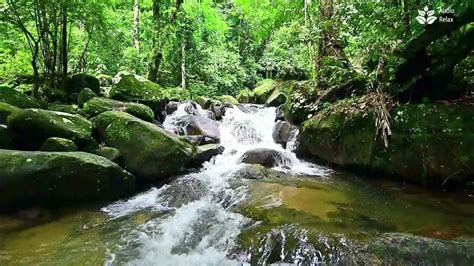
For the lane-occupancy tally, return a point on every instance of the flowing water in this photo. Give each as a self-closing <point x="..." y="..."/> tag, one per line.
<point x="300" y="213"/>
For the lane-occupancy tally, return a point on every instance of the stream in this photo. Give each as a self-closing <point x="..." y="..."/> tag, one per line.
<point x="299" y="213"/>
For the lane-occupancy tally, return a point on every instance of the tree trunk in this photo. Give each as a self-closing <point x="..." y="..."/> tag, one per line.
<point x="406" y="18"/>
<point x="136" y="24"/>
<point x="183" y="65"/>
<point x="157" y="55"/>
<point x="64" y="56"/>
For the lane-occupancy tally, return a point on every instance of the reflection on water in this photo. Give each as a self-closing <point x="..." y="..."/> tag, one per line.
<point x="304" y="213"/>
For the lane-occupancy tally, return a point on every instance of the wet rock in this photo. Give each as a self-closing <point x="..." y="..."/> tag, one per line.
<point x="190" y="108"/>
<point x="264" y="89"/>
<point x="208" y="140"/>
<point x="248" y="108"/>
<point x="18" y="99"/>
<point x="277" y="98"/>
<point x="282" y="132"/>
<point x="171" y="107"/>
<point x="200" y="125"/>
<point x="418" y="149"/>
<point x="194" y="139"/>
<point x="209" y="114"/>
<point x="66" y="108"/>
<point x="148" y="151"/>
<point x="31" y="127"/>
<point x="205" y="153"/>
<point x="59" y="178"/>
<point x="204" y="102"/>
<point x="58" y="144"/>
<point x="254" y="171"/>
<point x="265" y="157"/>
<point x="99" y="105"/>
<point x="183" y="191"/>
<point x="279" y="113"/>
<point x="246" y="96"/>
<point x="218" y="109"/>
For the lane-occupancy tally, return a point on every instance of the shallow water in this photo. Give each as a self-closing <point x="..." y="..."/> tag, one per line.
<point x="300" y="213"/>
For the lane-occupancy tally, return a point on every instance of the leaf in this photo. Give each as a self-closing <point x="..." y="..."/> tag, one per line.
<point x="431" y="20"/>
<point x="430" y="13"/>
<point x="421" y="13"/>
<point x="426" y="9"/>
<point x="422" y="20"/>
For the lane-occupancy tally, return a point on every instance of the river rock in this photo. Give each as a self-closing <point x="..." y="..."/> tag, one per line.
<point x="84" y="96"/>
<point x="264" y="89"/>
<point x="194" y="139"/>
<point x="99" y="105"/>
<point x="282" y="131"/>
<point x="200" y="125"/>
<point x="134" y="88"/>
<point x="246" y="96"/>
<point x="18" y="99"/>
<point x="205" y="153"/>
<point x="171" y="107"/>
<point x="277" y="98"/>
<point x="148" y="151"/>
<point x="431" y="144"/>
<point x="31" y="127"/>
<point x="253" y="171"/>
<point x="81" y="81"/>
<point x="265" y="157"/>
<point x="109" y="153"/>
<point x="280" y="113"/>
<point x="59" y="178"/>
<point x="228" y="99"/>
<point x="66" y="108"/>
<point x="204" y="102"/>
<point x="218" y="109"/>
<point x="6" y="110"/>
<point x="58" y="144"/>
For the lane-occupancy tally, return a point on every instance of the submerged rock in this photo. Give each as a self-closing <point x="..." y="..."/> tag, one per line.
<point x="99" y="105"/>
<point x="59" y="179"/>
<point x="58" y="144"/>
<point x="265" y="157"/>
<point x="254" y="171"/>
<point x="204" y="153"/>
<point x="148" y="151"/>
<point x="431" y="144"/>
<point x="31" y="127"/>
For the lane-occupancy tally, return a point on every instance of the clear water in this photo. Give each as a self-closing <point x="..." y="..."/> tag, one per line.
<point x="302" y="213"/>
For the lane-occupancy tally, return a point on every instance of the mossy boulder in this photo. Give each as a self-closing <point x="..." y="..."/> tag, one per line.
<point x="264" y="89"/>
<point x="300" y="101"/>
<point x="58" y="144"/>
<point x="112" y="154"/>
<point x="204" y="101"/>
<point x="18" y="99"/>
<point x="6" y="138"/>
<point x="99" y="105"/>
<point x="228" y="99"/>
<point x="277" y="98"/>
<point x="66" y="108"/>
<point x="246" y="96"/>
<point x="78" y="82"/>
<point x="147" y="150"/>
<point x="104" y="80"/>
<point x="6" y="110"/>
<point x="84" y="96"/>
<point x="59" y="179"/>
<point x="134" y="88"/>
<point x="431" y="144"/>
<point x="31" y="127"/>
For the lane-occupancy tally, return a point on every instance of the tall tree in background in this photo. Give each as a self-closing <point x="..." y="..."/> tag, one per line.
<point x="136" y="24"/>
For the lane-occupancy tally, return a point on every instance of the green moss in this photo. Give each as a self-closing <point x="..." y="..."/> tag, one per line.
<point x="32" y="127"/>
<point x="176" y="94"/>
<point x="59" y="178"/>
<point x="204" y="102"/>
<point x="58" y="144"/>
<point x="264" y="89"/>
<point x="66" y="108"/>
<point x="18" y="99"/>
<point x="133" y="88"/>
<point x="228" y="99"/>
<point x="99" y="105"/>
<point x="246" y="96"/>
<point x="6" y="110"/>
<point x="147" y="150"/>
<point x="300" y="101"/>
<point x="84" y="96"/>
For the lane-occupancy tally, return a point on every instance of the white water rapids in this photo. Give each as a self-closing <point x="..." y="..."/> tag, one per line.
<point x="196" y="223"/>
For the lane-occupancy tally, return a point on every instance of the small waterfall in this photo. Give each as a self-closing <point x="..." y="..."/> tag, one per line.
<point x="198" y="225"/>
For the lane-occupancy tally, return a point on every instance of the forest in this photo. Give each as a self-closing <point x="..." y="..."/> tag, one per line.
<point x="231" y="132"/>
